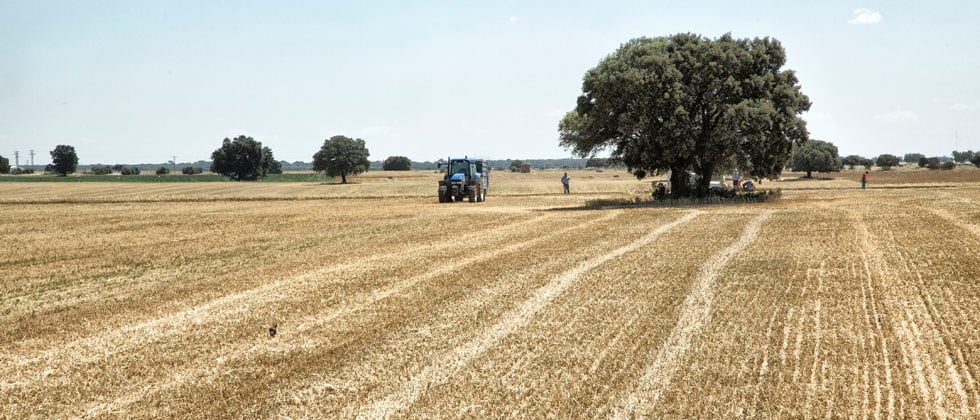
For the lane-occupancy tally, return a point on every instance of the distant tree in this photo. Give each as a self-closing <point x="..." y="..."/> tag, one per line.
<point x="851" y="161"/>
<point x="4" y="165"/>
<point x="515" y="165"/>
<point x="21" y="171"/>
<point x="912" y="157"/>
<point x="963" y="157"/>
<point x="397" y="163"/>
<point x="975" y="160"/>
<point x="815" y="156"/>
<point x="923" y="161"/>
<point x="129" y="170"/>
<point x="100" y="170"/>
<point x="933" y="163"/>
<point x="948" y="165"/>
<point x="595" y="162"/>
<point x="241" y="159"/>
<point x="118" y="167"/>
<point x="689" y="103"/>
<point x="191" y="170"/>
<point x="163" y="170"/>
<point x="867" y="163"/>
<point x="342" y="156"/>
<point x="64" y="160"/>
<point x="275" y="166"/>
<point x="887" y="161"/>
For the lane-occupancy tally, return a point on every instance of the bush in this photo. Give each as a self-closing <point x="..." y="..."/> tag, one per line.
<point x="163" y="170"/>
<point x="948" y="165"/>
<point x="129" y="170"/>
<point x="101" y="170"/>
<point x="191" y="170"/>
<point x="21" y="171"/>
<point x="932" y="163"/>
<point x="923" y="161"/>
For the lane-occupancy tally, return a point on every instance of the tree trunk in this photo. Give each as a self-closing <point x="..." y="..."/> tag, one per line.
<point x="343" y="178"/>
<point x="809" y="173"/>
<point x="679" y="186"/>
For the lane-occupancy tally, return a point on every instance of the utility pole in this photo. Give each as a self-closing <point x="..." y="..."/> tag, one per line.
<point x="174" y="162"/>
<point x="17" y="158"/>
<point x="32" y="157"/>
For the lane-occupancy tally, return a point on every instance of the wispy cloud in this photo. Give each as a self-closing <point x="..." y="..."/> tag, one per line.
<point x="864" y="17"/>
<point x="897" y="117"/>
<point x="965" y="107"/>
<point x="513" y="19"/>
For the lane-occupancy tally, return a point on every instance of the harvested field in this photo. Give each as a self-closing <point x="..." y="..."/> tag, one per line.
<point x="155" y="300"/>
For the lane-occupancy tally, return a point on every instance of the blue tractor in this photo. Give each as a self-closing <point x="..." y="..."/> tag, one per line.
<point x="465" y="177"/>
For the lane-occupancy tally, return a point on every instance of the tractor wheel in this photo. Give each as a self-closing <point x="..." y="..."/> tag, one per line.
<point x="479" y="194"/>
<point x="483" y="195"/>
<point x="473" y="194"/>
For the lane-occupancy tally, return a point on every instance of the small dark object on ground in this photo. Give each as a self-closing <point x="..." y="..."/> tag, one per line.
<point x="272" y="330"/>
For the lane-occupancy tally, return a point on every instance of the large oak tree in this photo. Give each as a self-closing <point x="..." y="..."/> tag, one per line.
<point x="686" y="102"/>
<point x="342" y="156"/>
<point x="817" y="156"/>
<point x="64" y="160"/>
<point x="242" y="159"/>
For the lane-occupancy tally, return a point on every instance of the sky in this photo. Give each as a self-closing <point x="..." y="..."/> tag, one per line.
<point x="143" y="81"/>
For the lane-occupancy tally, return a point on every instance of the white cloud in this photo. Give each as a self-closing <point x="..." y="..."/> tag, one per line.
<point x="897" y="117"/>
<point x="965" y="107"/>
<point x="513" y="19"/>
<point x="865" y="17"/>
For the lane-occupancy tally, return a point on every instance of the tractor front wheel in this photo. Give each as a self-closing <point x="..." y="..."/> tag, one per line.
<point x="472" y="194"/>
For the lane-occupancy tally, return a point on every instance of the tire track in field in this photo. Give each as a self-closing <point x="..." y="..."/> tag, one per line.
<point x="872" y="319"/>
<point x="964" y="387"/>
<point x="350" y="307"/>
<point x="937" y="324"/>
<point x="695" y="313"/>
<point x="93" y="348"/>
<point x="448" y="364"/>
<point x="815" y="378"/>
<point x="915" y="340"/>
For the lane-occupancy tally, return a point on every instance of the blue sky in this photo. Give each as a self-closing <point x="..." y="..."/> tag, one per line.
<point x="135" y="81"/>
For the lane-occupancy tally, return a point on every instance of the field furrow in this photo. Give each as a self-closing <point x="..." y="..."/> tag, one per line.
<point x="695" y="313"/>
<point x="156" y="301"/>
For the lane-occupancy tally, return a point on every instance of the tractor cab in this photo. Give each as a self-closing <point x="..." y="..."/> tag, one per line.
<point x="465" y="177"/>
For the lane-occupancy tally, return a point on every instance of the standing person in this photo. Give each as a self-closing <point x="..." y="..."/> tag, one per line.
<point x="564" y="182"/>
<point x="735" y="180"/>
<point x="864" y="179"/>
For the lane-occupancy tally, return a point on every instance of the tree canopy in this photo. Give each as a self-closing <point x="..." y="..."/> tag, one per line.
<point x="4" y="165"/>
<point x="64" y="160"/>
<point x="242" y="159"/>
<point x="886" y="161"/>
<point x="397" y="163"/>
<point x="686" y="102"/>
<point x="913" y="157"/>
<point x="852" y="160"/>
<point x="963" y="157"/>
<point x="342" y="156"/>
<point x="815" y="156"/>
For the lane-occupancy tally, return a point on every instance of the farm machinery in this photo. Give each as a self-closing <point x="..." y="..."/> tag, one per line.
<point x="465" y="177"/>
